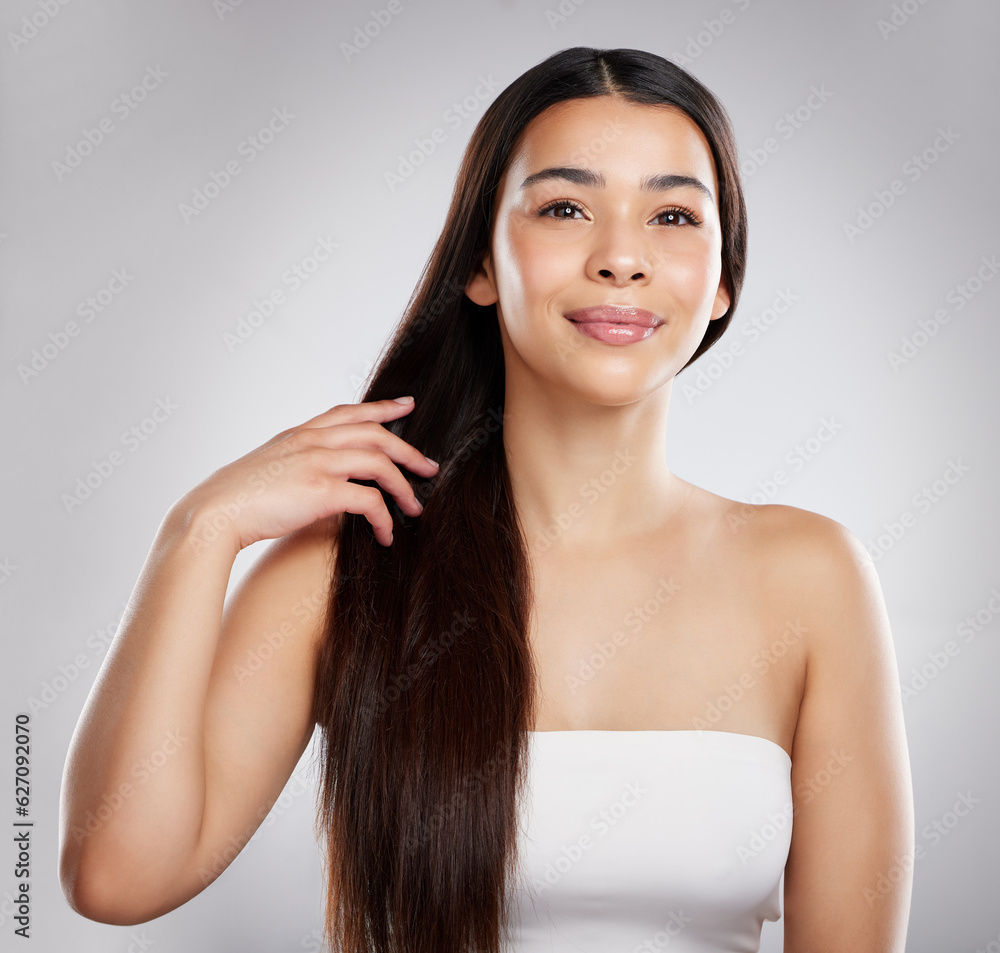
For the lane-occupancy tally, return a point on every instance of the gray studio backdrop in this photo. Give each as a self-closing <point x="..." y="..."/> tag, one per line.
<point x="214" y="213"/>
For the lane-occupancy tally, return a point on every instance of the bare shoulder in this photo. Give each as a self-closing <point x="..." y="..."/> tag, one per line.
<point x="808" y="532"/>
<point x="790" y="547"/>
<point x="813" y="562"/>
<point x="293" y="570"/>
<point x="799" y="567"/>
<point x="311" y="548"/>
<point x="778" y="526"/>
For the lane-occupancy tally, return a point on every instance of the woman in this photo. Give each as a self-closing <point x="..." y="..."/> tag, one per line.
<point x="515" y="667"/>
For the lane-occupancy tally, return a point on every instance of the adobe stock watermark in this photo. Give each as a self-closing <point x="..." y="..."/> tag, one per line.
<point x="801" y="454"/>
<point x="9" y="910"/>
<point x="67" y="672"/>
<point x="635" y="619"/>
<point x="913" y="168"/>
<point x="371" y="29"/>
<point x="591" y="491"/>
<point x="249" y="148"/>
<point x="933" y="833"/>
<point x="661" y="940"/>
<point x="425" y="146"/>
<point x="556" y="16"/>
<point x="214" y="523"/>
<point x="601" y="822"/>
<point x="911" y="345"/>
<point x="923" y="501"/>
<point x="223" y="8"/>
<point x="713" y="365"/>
<point x="141" y="771"/>
<point x="472" y="784"/>
<point x="301" y="782"/>
<point x="761" y="838"/>
<point x="822" y="779"/>
<point x="221" y="859"/>
<point x="30" y="26"/>
<point x="992" y="947"/>
<point x="357" y="381"/>
<point x="453" y="290"/>
<point x="102" y="470"/>
<point x="305" y="610"/>
<point x="938" y="660"/>
<point x="139" y="943"/>
<point x="590" y="150"/>
<point x="476" y="439"/>
<point x="87" y="310"/>
<point x="900" y="15"/>
<point x="266" y="305"/>
<point x="121" y="107"/>
<point x="754" y="159"/>
<point x="778" y="822"/>
<point x="761" y="663"/>
<point x="7" y="569"/>
<point x="462" y="621"/>
<point x="696" y="44"/>
<point x="313" y="941"/>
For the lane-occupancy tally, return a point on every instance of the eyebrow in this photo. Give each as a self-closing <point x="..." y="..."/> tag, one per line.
<point x="650" y="183"/>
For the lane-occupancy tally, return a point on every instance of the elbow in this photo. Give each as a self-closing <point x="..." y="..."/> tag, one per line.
<point x="91" y="889"/>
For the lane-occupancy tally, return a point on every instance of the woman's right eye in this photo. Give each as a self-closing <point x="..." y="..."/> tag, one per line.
<point x="560" y="204"/>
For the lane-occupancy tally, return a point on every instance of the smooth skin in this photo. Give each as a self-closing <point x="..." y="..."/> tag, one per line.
<point x="174" y="680"/>
<point x="780" y="601"/>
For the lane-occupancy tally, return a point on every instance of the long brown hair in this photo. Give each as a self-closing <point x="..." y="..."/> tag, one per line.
<point x="425" y="688"/>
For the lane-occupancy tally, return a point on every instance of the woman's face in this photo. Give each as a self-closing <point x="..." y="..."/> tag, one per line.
<point x="586" y="233"/>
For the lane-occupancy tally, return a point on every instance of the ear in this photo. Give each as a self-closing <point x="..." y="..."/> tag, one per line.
<point x="722" y="300"/>
<point x="481" y="287"/>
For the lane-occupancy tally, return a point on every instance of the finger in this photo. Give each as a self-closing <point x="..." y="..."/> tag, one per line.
<point x="366" y="501"/>
<point x="358" y="463"/>
<point x="372" y="435"/>
<point x="373" y="414"/>
<point x="377" y="410"/>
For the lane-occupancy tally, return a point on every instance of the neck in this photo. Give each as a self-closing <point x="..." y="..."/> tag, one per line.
<point x="585" y="474"/>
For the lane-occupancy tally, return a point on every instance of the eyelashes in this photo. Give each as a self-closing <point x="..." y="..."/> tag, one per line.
<point x="672" y="210"/>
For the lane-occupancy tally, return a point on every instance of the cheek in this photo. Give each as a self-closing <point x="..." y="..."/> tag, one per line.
<point x="693" y="274"/>
<point x="530" y="272"/>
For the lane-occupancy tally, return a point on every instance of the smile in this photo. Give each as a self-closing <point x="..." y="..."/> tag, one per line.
<point x="615" y="324"/>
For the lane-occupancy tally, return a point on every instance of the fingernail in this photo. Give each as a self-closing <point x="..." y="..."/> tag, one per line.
<point x="432" y="462"/>
<point x="403" y="400"/>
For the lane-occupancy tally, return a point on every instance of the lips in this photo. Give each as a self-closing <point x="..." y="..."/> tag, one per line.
<point x="614" y="314"/>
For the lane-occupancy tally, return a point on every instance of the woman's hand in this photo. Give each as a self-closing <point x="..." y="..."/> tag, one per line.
<point x="301" y="475"/>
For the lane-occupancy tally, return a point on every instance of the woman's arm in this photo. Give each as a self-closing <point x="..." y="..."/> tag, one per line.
<point x="202" y="707"/>
<point x="849" y="873"/>
<point x="195" y="722"/>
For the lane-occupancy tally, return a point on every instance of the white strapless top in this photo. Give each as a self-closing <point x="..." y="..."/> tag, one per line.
<point x="651" y="840"/>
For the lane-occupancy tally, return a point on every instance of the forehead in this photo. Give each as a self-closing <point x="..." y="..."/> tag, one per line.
<point x="623" y="140"/>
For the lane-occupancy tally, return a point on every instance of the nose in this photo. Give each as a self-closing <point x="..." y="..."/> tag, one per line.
<point x="620" y="256"/>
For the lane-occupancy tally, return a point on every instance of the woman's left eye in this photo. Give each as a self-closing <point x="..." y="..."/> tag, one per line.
<point x="677" y="215"/>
